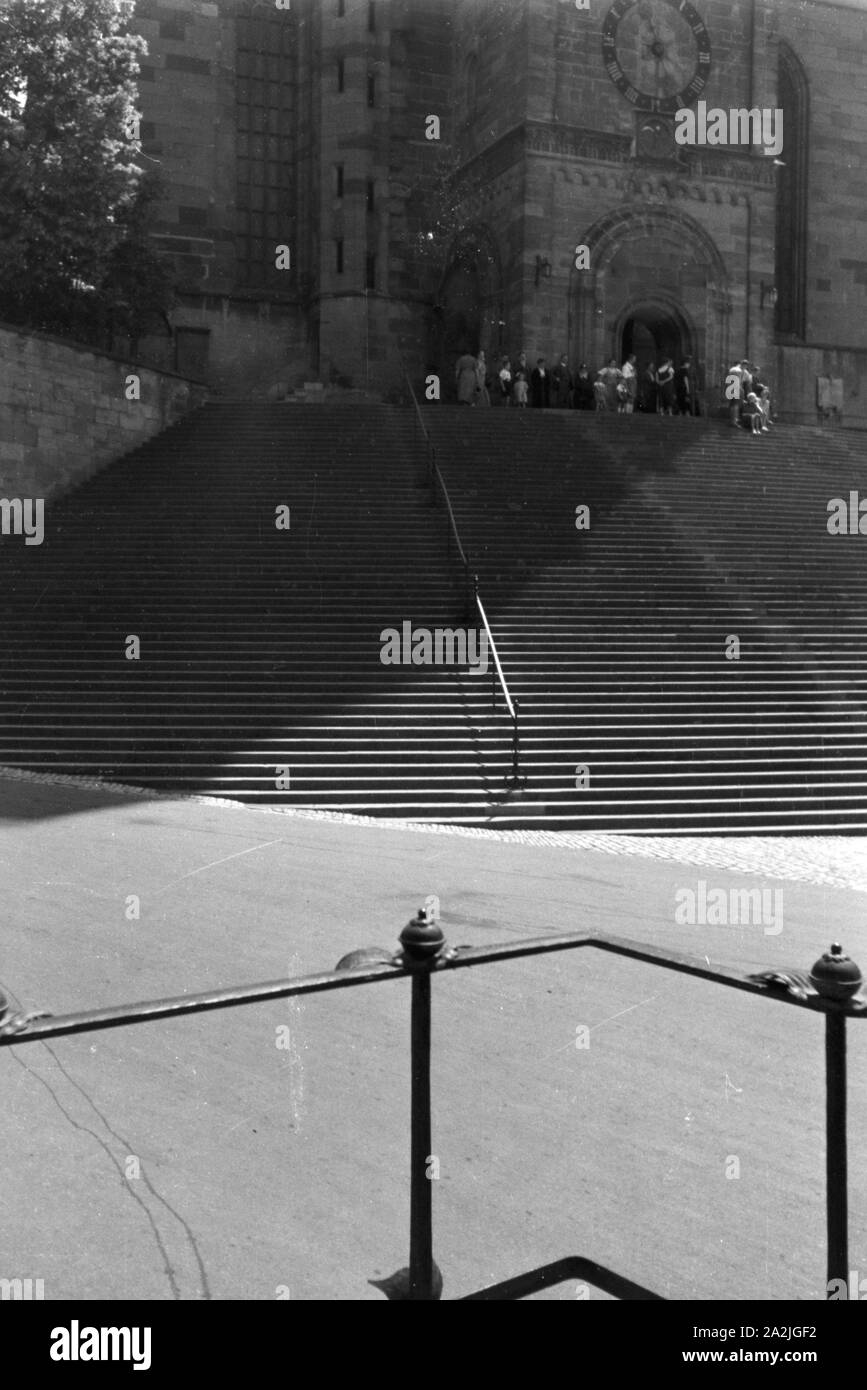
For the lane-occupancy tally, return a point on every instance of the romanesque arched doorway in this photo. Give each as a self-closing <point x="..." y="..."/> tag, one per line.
<point x="656" y="284"/>
<point x="653" y="331"/>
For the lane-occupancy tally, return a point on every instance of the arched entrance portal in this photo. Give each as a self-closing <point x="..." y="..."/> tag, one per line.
<point x="653" y="334"/>
<point x="657" y="279"/>
<point x="468" y="314"/>
<point x="462" y="312"/>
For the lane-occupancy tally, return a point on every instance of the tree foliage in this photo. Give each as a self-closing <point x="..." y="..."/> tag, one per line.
<point x="73" y="199"/>
<point x="439" y="208"/>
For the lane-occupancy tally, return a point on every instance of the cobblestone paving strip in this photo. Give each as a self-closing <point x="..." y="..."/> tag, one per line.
<point x="838" y="861"/>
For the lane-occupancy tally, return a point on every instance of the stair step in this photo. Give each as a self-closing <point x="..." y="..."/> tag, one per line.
<point x="261" y="648"/>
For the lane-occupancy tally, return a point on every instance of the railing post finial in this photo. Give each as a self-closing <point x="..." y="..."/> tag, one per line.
<point x="422" y="939"/>
<point x="835" y="975"/>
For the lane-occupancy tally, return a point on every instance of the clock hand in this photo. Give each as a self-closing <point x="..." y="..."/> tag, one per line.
<point x="645" y="19"/>
<point x="653" y="19"/>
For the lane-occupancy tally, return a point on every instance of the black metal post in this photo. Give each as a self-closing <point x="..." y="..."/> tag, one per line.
<point x="420" y="1209"/>
<point x="471" y="589"/>
<point x="837" y="978"/>
<point x="422" y="941"/>
<point x="516" y="773"/>
<point x="836" y="1161"/>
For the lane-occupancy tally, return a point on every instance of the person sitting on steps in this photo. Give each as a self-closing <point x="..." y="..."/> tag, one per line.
<point x="763" y="393"/>
<point x="753" y="413"/>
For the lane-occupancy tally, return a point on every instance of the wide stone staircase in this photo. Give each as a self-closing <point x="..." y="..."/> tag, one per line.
<point x="257" y="671"/>
<point x="259" y="674"/>
<point x="696" y="659"/>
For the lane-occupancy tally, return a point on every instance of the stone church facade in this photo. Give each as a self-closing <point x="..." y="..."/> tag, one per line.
<point x="306" y="128"/>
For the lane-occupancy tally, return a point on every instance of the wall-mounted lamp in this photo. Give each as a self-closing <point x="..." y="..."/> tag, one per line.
<point x="767" y="295"/>
<point x="543" y="269"/>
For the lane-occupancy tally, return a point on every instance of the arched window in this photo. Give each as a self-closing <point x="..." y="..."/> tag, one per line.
<point x="791" y="231"/>
<point x="265" y="114"/>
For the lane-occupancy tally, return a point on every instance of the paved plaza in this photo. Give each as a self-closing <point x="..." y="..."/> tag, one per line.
<point x="268" y="1171"/>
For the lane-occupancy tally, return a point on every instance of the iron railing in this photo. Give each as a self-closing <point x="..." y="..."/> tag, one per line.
<point x="514" y="776"/>
<point x="472" y="601"/>
<point x="833" y="987"/>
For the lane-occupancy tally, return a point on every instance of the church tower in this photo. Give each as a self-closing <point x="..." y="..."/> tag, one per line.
<point x="358" y="187"/>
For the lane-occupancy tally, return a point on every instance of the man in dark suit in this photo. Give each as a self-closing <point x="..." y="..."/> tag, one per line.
<point x="684" y="388"/>
<point x="540" y="386"/>
<point x="583" y="396"/>
<point x="561" y="385"/>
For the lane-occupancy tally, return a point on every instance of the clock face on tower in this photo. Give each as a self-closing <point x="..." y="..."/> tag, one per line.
<point x="656" y="52"/>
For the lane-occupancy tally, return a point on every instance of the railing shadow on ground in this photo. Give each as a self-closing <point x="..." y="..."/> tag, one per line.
<point x="833" y="987"/>
<point x="472" y="602"/>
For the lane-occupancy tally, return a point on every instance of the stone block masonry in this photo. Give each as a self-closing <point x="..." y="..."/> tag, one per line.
<point x="66" y="411"/>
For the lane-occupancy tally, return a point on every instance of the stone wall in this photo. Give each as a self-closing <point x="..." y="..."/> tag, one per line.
<point x="420" y="85"/>
<point x="794" y="379"/>
<point x="222" y="94"/>
<point x="187" y="102"/>
<point x="64" y="412"/>
<point x="829" y="43"/>
<point x="568" y="82"/>
<point x="250" y="343"/>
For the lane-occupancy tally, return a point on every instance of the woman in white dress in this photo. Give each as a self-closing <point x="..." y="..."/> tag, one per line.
<point x="611" y="378"/>
<point x="630" y="381"/>
<point x="482" y="397"/>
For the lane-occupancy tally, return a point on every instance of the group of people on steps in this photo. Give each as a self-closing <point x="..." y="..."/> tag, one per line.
<point x="661" y="389"/>
<point x="749" y="398"/>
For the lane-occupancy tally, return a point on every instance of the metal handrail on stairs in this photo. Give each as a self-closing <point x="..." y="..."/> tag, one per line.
<point x="471" y="591"/>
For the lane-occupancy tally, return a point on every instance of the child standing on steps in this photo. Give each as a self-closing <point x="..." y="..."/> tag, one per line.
<point x="519" y="390"/>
